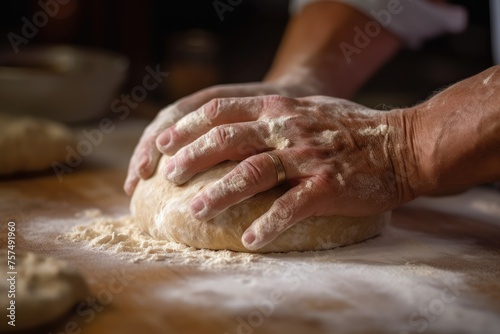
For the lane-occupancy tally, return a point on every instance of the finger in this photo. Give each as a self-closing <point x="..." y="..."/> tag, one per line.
<point x="216" y="112"/>
<point x="130" y="182"/>
<point x="142" y="165"/>
<point x="145" y="156"/>
<point x="226" y="142"/>
<point x="252" y="176"/>
<point x="292" y="207"/>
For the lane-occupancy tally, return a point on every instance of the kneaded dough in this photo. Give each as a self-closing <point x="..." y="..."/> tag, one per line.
<point x="162" y="209"/>
<point x="46" y="289"/>
<point x="31" y="144"/>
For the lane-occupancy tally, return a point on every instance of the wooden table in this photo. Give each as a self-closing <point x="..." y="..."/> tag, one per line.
<point x="436" y="269"/>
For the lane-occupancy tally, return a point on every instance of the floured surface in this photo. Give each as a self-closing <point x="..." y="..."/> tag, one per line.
<point x="403" y="280"/>
<point x="434" y="270"/>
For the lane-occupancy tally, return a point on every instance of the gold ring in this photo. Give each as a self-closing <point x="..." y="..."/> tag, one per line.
<point x="278" y="166"/>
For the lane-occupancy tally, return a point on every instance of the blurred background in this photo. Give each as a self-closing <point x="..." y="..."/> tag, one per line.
<point x="199" y="48"/>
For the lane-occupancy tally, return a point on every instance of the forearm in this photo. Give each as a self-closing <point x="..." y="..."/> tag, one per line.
<point x="320" y="49"/>
<point x="456" y="134"/>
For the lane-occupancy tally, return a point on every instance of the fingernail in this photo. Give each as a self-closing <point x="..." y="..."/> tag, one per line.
<point x="197" y="207"/>
<point x="164" y="140"/>
<point x="169" y="170"/>
<point x="248" y="238"/>
<point x="142" y="167"/>
<point x="143" y="171"/>
<point x="128" y="187"/>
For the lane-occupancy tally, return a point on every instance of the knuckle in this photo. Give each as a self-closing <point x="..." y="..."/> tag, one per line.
<point x="277" y="101"/>
<point x="247" y="148"/>
<point x="223" y="136"/>
<point x="283" y="210"/>
<point x="252" y="173"/>
<point x="211" y="108"/>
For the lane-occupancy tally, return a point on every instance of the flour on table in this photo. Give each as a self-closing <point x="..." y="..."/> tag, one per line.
<point x="400" y="282"/>
<point x="122" y="237"/>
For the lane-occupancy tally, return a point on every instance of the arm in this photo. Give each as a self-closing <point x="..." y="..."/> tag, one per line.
<point x="456" y="134"/>
<point x="318" y="49"/>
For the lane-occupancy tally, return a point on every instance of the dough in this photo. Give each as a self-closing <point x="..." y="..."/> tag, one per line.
<point x="162" y="209"/>
<point x="46" y="289"/>
<point x="31" y="144"/>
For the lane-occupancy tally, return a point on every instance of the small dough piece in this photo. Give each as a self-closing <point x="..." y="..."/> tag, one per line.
<point x="31" y="144"/>
<point x="162" y="209"/>
<point x="46" y="289"/>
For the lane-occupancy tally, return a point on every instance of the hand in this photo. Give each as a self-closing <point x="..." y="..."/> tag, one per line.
<point x="340" y="158"/>
<point x="146" y="154"/>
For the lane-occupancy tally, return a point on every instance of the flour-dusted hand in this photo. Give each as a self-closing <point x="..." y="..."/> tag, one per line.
<point x="339" y="157"/>
<point x="146" y="154"/>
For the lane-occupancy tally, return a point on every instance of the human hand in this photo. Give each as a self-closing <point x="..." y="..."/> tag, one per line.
<point x="340" y="158"/>
<point x="146" y="154"/>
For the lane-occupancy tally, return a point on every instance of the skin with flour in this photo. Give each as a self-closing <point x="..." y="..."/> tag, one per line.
<point x="384" y="159"/>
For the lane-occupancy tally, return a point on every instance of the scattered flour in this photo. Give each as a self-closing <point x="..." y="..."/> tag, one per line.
<point x="488" y="79"/>
<point x="174" y="174"/>
<point x="201" y="146"/>
<point x="380" y="130"/>
<point x="122" y="237"/>
<point x="236" y="184"/>
<point x="329" y="135"/>
<point x="276" y="126"/>
<point x="193" y="120"/>
<point x="403" y="281"/>
<point x="308" y="185"/>
<point x="340" y="179"/>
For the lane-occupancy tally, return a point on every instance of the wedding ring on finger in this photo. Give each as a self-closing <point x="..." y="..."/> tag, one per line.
<point x="279" y="168"/>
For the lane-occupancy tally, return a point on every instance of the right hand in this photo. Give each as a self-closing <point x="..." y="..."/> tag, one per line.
<point x="147" y="152"/>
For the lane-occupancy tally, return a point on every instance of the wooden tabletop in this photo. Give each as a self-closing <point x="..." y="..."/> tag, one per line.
<point x="436" y="269"/>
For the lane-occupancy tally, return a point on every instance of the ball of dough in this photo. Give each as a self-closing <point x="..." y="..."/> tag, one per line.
<point x="162" y="209"/>
<point x="31" y="144"/>
<point x="46" y="289"/>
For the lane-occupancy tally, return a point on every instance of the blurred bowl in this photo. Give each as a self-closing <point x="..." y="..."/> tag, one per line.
<point x="64" y="83"/>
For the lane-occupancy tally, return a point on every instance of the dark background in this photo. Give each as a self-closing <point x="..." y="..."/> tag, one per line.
<point x="192" y="43"/>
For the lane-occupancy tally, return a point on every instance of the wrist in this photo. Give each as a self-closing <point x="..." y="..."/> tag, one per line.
<point x="411" y="154"/>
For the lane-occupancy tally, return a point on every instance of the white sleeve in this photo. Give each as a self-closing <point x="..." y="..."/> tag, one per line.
<point x="413" y="21"/>
<point x="495" y="29"/>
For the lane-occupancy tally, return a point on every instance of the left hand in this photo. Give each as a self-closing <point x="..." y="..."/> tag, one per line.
<point x="339" y="157"/>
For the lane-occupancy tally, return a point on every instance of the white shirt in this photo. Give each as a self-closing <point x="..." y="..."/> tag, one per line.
<point x="415" y="21"/>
